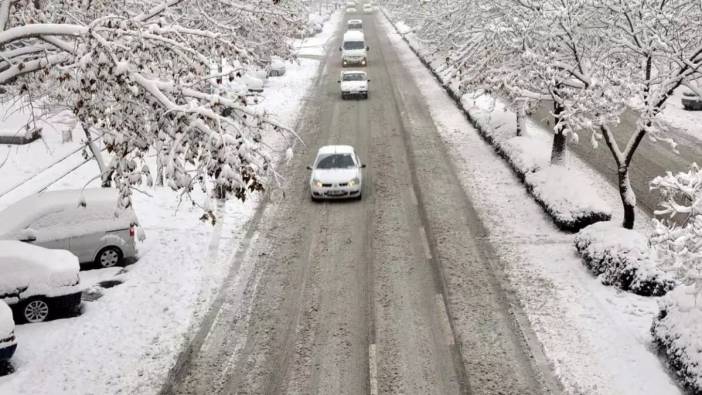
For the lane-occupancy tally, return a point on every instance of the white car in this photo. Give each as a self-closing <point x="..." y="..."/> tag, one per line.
<point x="354" y="83"/>
<point x="368" y="8"/>
<point x="336" y="174"/>
<point x="351" y="10"/>
<point x="354" y="24"/>
<point x="277" y="67"/>
<point x="253" y="82"/>
<point x="8" y="343"/>
<point x="37" y="281"/>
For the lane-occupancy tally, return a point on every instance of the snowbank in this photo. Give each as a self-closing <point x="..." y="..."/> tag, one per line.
<point x="622" y="258"/>
<point x="677" y="332"/>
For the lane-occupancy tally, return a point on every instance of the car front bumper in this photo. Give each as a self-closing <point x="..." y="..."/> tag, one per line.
<point x="336" y="192"/>
<point x="7" y="351"/>
<point x="354" y="93"/>
<point x="353" y="61"/>
<point x="69" y="302"/>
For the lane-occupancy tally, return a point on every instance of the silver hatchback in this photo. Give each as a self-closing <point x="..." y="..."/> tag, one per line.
<point x="85" y="222"/>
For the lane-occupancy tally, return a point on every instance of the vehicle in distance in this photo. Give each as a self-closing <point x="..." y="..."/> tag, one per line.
<point x="8" y="343"/>
<point x="336" y="173"/>
<point x="277" y="67"/>
<point x="353" y="49"/>
<point x="85" y="222"/>
<point x="351" y="10"/>
<point x="368" y="8"/>
<point x="354" y="24"/>
<point x="38" y="282"/>
<point x="354" y="83"/>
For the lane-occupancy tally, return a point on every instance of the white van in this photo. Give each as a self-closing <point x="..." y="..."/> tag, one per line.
<point x="85" y="222"/>
<point x="354" y="50"/>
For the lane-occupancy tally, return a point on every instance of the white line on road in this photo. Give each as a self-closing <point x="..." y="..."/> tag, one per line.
<point x="444" y="319"/>
<point x="425" y="242"/>
<point x="373" y="370"/>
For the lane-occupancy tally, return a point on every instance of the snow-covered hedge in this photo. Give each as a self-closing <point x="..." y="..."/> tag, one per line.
<point x="677" y="331"/>
<point x="622" y="258"/>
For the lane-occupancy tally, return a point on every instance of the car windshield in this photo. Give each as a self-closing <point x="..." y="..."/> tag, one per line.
<point x="336" y="161"/>
<point x="354" y="77"/>
<point x="356" y="26"/>
<point x="354" y="45"/>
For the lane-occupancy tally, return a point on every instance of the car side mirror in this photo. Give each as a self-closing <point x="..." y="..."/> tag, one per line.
<point x="309" y="167"/>
<point x="363" y="166"/>
<point x="338" y="81"/>
<point x="27" y="235"/>
<point x="368" y="80"/>
<point x="368" y="48"/>
<point x="340" y="49"/>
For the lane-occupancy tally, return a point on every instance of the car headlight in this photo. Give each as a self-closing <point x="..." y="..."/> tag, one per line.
<point x="317" y="183"/>
<point x="354" y="182"/>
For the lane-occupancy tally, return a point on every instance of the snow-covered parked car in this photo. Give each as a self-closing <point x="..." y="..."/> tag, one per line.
<point x="85" y="222"/>
<point x="336" y="173"/>
<point x="277" y="67"/>
<point x="38" y="282"/>
<point x="8" y="343"/>
<point x="691" y="102"/>
<point x="351" y="10"/>
<point x="368" y="8"/>
<point x="354" y="83"/>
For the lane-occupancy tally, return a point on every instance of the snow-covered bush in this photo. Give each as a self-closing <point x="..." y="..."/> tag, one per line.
<point x="622" y="258"/>
<point x="677" y="240"/>
<point x="677" y="331"/>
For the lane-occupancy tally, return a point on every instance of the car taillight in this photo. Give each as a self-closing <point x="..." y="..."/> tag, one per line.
<point x="132" y="231"/>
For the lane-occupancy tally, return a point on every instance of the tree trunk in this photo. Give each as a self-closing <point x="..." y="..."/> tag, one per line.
<point x="628" y="197"/>
<point x="159" y="163"/>
<point x="558" y="150"/>
<point x="105" y="175"/>
<point x="521" y="118"/>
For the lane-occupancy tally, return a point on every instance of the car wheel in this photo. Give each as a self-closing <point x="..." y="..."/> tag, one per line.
<point x="109" y="257"/>
<point x="35" y="310"/>
<point x="365" y="96"/>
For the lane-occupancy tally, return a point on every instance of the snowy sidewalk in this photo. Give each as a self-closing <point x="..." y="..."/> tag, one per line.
<point x="596" y="338"/>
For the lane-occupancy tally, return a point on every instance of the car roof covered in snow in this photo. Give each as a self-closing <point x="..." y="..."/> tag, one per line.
<point x="336" y="149"/>
<point x="354" y="21"/>
<point x="354" y="35"/>
<point x="345" y="72"/>
<point x="22" y="213"/>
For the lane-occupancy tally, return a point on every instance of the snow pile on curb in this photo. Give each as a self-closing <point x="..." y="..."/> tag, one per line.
<point x="676" y="331"/>
<point x="622" y="258"/>
<point x="568" y="198"/>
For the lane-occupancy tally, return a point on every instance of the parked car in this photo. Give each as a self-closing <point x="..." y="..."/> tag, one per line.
<point x="8" y="343"/>
<point x="354" y="24"/>
<point x="691" y="101"/>
<point x="38" y="282"/>
<point x="277" y="67"/>
<point x="85" y="222"/>
<point x="336" y="173"/>
<point x="368" y="8"/>
<point x="351" y="10"/>
<point x="354" y="83"/>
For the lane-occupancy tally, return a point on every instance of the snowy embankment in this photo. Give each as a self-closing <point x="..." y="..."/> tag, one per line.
<point x="129" y="337"/>
<point x="597" y="339"/>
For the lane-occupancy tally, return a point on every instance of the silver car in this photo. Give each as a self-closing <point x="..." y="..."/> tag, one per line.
<point x="85" y="222"/>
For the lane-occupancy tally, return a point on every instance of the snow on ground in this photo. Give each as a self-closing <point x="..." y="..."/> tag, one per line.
<point x="127" y="339"/>
<point x="596" y="338"/>
<point x="688" y="122"/>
